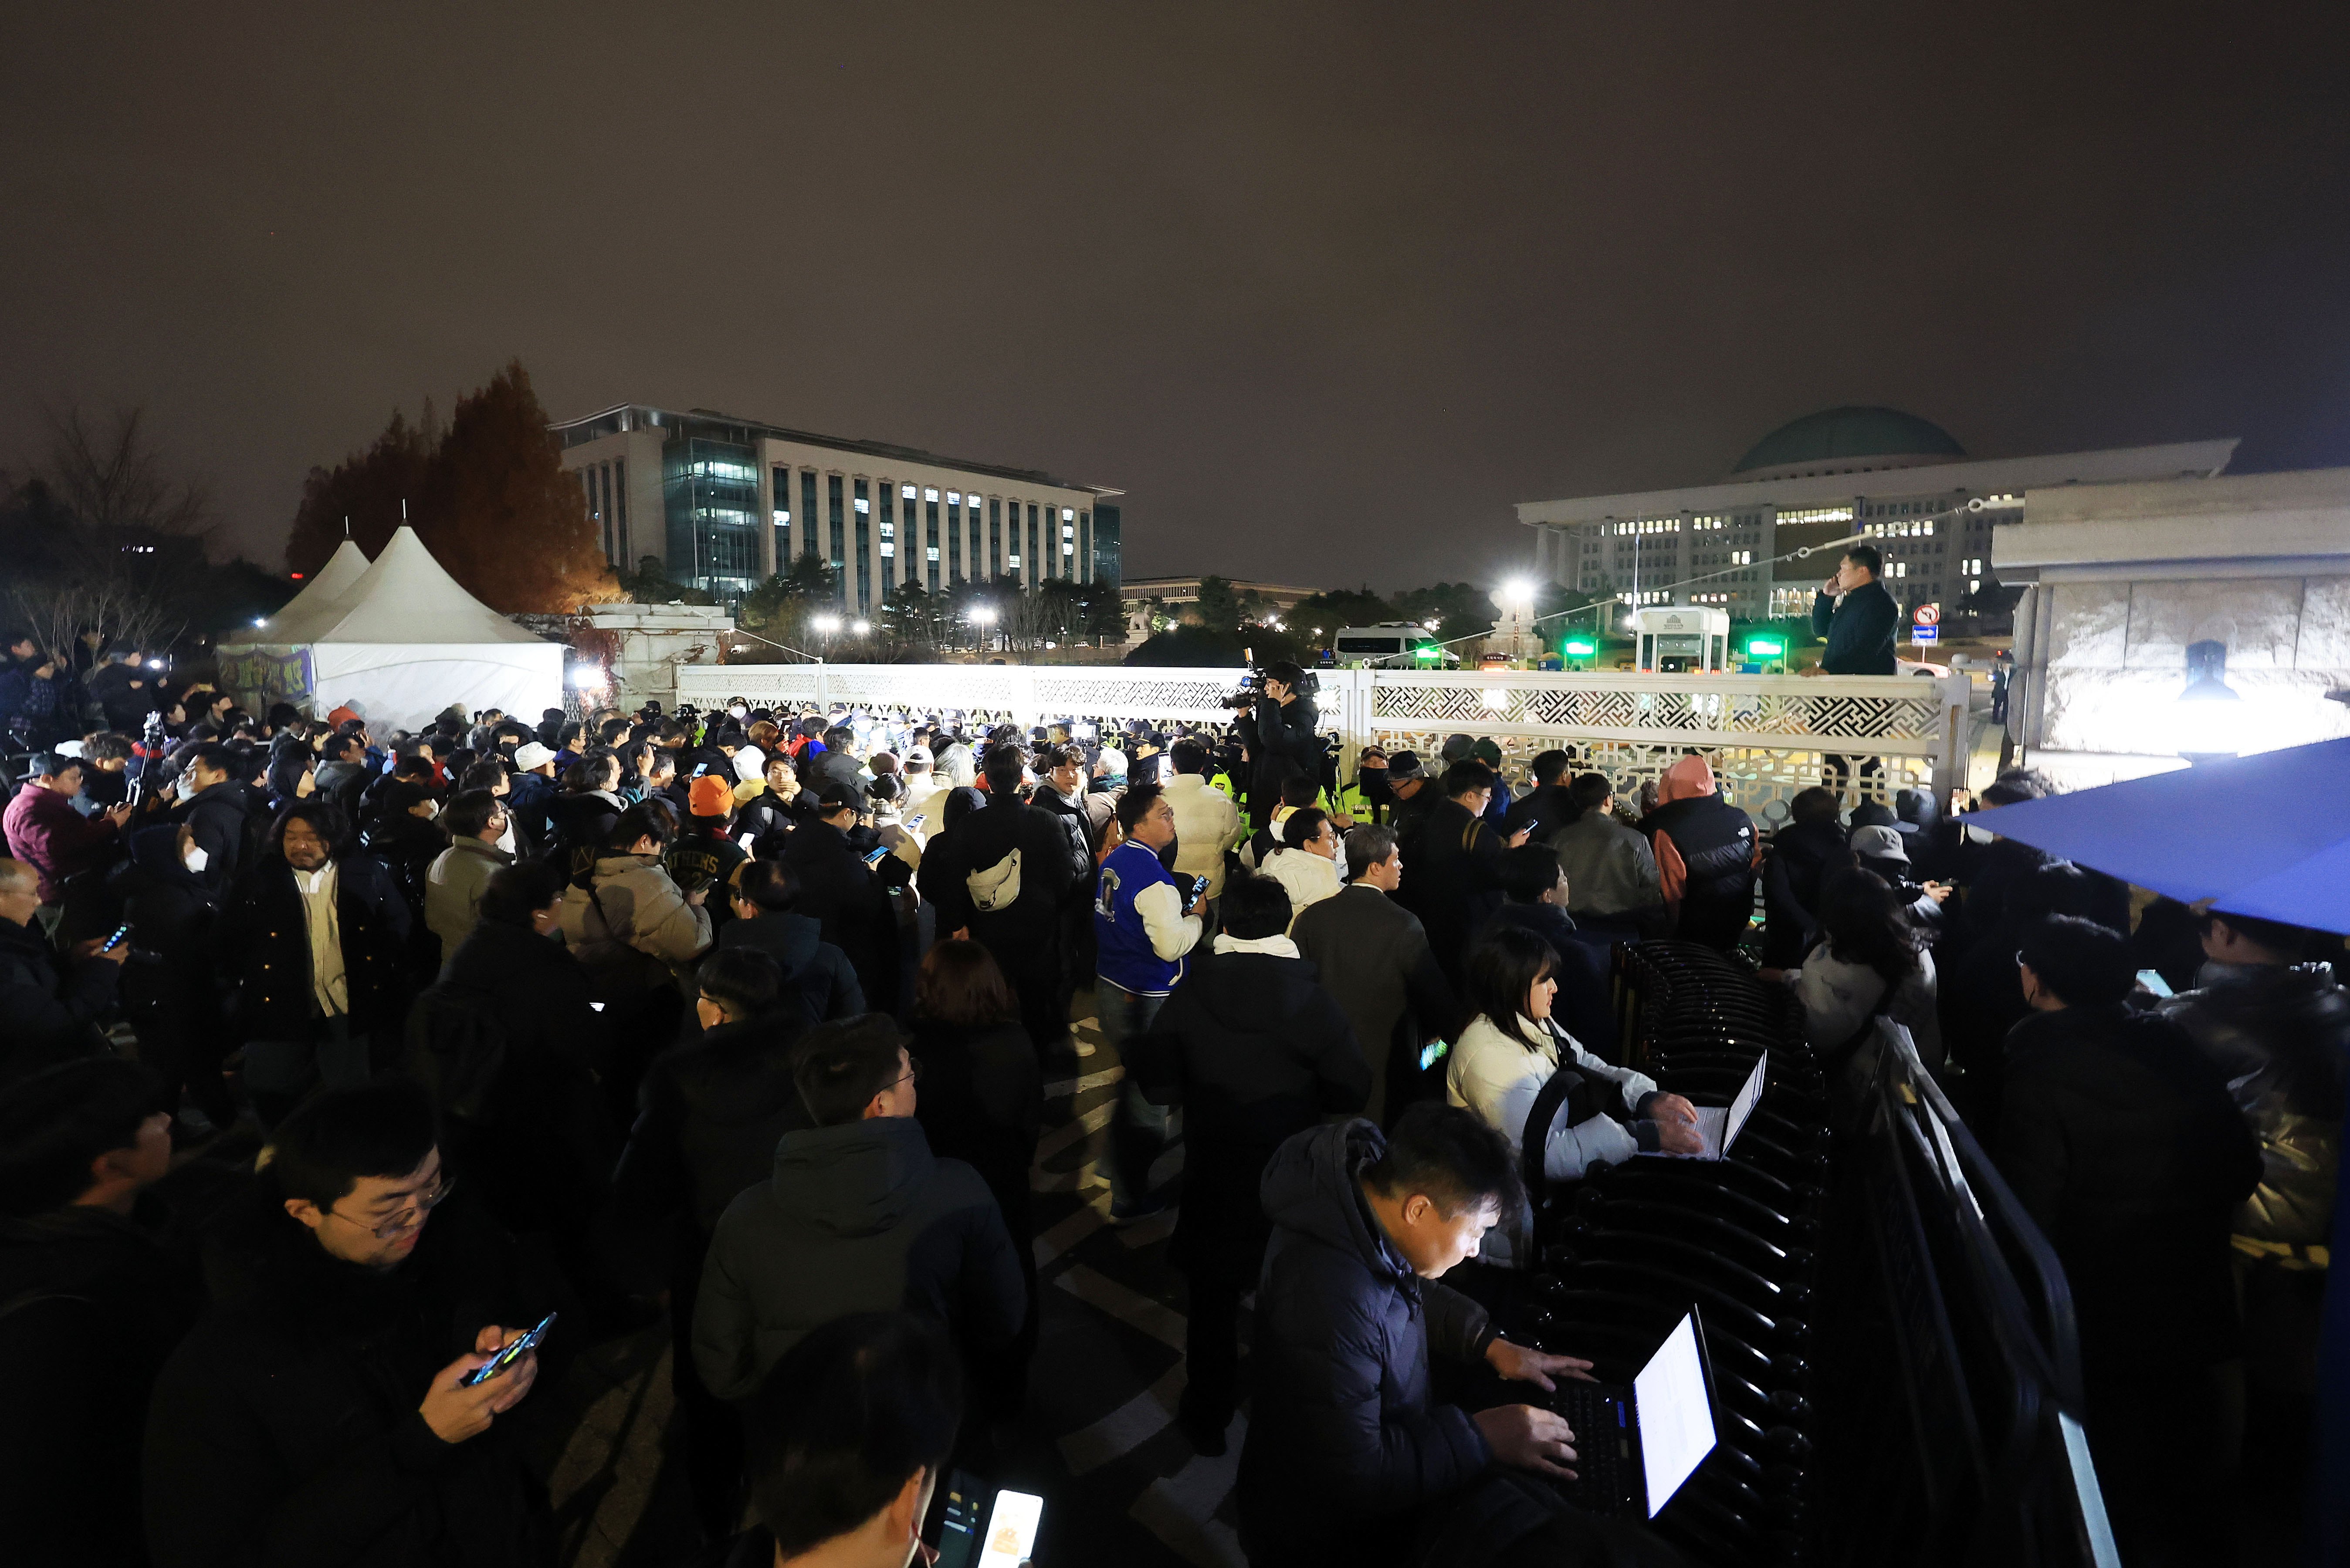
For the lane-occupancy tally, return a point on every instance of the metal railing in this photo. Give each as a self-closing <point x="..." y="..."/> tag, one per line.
<point x="1767" y="736"/>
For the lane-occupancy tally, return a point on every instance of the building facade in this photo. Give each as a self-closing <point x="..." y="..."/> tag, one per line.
<point x="1902" y="482"/>
<point x="1147" y="597"/>
<point x="721" y="504"/>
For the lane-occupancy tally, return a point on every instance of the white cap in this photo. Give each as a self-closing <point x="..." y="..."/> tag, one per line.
<point x="531" y="755"/>
<point x="749" y="765"/>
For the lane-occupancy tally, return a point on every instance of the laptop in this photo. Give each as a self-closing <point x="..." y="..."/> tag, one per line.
<point x="1634" y="1447"/>
<point x="1720" y="1125"/>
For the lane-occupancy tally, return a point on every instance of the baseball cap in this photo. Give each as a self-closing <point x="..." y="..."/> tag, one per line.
<point x="1879" y="844"/>
<point x="532" y="754"/>
<point x="917" y="757"/>
<point x="711" y="796"/>
<point x="1404" y="765"/>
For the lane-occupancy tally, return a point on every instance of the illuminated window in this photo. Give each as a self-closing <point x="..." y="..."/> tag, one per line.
<point x="1068" y="514"/>
<point x="907" y="491"/>
<point x="864" y="505"/>
<point x="954" y="497"/>
<point x="930" y="495"/>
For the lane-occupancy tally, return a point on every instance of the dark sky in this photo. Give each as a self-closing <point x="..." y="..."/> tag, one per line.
<point x="1326" y="286"/>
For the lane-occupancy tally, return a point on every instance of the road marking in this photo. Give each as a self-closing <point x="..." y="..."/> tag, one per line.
<point x="1180" y="1509"/>
<point x="1129" y="1306"/>
<point x="1062" y="1088"/>
<point x="1073" y="1130"/>
<point x="1125" y="1428"/>
<point x="1071" y="1231"/>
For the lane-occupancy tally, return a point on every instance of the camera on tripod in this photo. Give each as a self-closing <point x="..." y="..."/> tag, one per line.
<point x="1302" y="682"/>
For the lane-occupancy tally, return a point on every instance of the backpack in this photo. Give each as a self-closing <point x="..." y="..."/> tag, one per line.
<point x="457" y="1049"/>
<point x="996" y="888"/>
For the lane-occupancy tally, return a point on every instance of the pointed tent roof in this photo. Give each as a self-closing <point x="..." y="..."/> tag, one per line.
<point x="321" y="601"/>
<point x="407" y="597"/>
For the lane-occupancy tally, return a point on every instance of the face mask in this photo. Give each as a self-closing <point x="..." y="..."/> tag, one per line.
<point x="1980" y="835"/>
<point x="739" y="711"/>
<point x="195" y="859"/>
<point x="184" y="786"/>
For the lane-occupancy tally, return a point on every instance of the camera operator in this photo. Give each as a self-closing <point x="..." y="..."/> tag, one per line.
<point x="1279" y="727"/>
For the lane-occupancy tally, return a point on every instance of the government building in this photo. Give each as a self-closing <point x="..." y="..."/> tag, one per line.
<point x="1901" y="480"/>
<point x="723" y="504"/>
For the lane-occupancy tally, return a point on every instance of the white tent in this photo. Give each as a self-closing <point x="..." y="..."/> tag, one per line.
<point x="320" y="602"/>
<point x="399" y="644"/>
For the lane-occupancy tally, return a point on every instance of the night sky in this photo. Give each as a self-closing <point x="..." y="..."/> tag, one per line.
<point x="1325" y="286"/>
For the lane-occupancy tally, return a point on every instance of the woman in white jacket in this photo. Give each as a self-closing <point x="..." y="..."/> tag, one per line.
<point x="1512" y="1049"/>
<point x="1871" y="958"/>
<point x="1308" y="862"/>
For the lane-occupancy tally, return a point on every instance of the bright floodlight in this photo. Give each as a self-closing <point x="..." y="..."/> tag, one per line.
<point x="1494" y="697"/>
<point x="585" y="677"/>
<point x="1518" y="591"/>
<point x="826" y="624"/>
<point x="261" y="620"/>
<point x="860" y="628"/>
<point x="983" y="614"/>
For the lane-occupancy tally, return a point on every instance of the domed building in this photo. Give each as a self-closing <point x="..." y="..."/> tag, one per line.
<point x="1897" y="480"/>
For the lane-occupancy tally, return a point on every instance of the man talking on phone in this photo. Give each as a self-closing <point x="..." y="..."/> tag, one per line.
<point x="319" y="1415"/>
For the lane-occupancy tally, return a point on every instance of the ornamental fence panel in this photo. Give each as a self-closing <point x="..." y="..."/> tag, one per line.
<point x="1766" y="736"/>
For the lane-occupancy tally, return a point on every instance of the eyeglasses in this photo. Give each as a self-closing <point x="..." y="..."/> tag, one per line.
<point x="913" y="1073"/>
<point x="409" y="1214"/>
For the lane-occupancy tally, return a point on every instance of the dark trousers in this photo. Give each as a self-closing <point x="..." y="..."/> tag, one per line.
<point x="2156" y="1438"/>
<point x="1220" y="1246"/>
<point x="1138" y="1132"/>
<point x="713" y="1431"/>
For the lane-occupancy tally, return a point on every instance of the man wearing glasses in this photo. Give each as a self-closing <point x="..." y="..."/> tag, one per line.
<point x="319" y="1414"/>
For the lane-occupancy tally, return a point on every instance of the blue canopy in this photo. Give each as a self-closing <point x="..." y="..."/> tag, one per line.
<point x="2266" y="836"/>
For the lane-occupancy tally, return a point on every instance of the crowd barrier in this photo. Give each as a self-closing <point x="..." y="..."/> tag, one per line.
<point x="1953" y="1385"/>
<point x="1767" y="736"/>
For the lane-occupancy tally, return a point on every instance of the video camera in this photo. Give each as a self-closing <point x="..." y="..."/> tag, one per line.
<point x="1252" y="687"/>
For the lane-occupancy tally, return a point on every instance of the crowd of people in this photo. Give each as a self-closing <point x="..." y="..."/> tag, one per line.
<point x="332" y="1061"/>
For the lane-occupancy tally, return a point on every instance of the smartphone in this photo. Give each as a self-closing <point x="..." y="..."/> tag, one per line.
<point x="1011" y="1533"/>
<point x="1432" y="1053"/>
<point x="700" y="769"/>
<point x="2149" y="977"/>
<point x="918" y="818"/>
<point x="877" y="856"/>
<point x="597" y="1005"/>
<point x="1199" y="886"/>
<point x="123" y="930"/>
<point x="508" y="1356"/>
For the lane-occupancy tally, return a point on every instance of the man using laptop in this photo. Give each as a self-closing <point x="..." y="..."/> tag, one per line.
<point x="1348" y="1458"/>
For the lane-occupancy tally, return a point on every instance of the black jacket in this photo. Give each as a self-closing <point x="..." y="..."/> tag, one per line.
<point x="96" y="1308"/>
<point x="1023" y="937"/>
<point x="769" y="819"/>
<point x="1276" y="734"/>
<point x="47" y="1014"/>
<point x="286" y="1431"/>
<point x="1253" y="1049"/>
<point x="266" y="941"/>
<point x="1715" y="841"/>
<point x="1453" y="879"/>
<point x="1800" y="857"/>
<point x="579" y="823"/>
<point x="1860" y="631"/>
<point x="710" y="1115"/>
<point x="817" y="976"/>
<point x="855" y="1218"/>
<point x="218" y="816"/>
<point x="982" y="1102"/>
<point x="2119" y="1139"/>
<point x="1344" y="1439"/>
<point x="851" y="904"/>
<point x="1373" y="955"/>
<point x="2281" y="1036"/>
<point x="1545" y="809"/>
<point x="544" y="1150"/>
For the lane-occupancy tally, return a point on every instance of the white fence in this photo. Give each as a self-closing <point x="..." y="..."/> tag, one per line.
<point x="1767" y="736"/>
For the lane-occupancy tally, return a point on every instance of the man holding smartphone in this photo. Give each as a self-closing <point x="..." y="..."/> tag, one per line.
<point x="1143" y="927"/>
<point x="321" y="1414"/>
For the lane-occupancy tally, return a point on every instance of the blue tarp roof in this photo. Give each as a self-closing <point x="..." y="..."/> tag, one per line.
<point x="2267" y="835"/>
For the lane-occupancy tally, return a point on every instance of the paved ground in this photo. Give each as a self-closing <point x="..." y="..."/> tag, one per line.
<point x="1098" y="1441"/>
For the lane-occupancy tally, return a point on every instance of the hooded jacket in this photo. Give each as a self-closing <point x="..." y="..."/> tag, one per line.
<point x="453" y="889"/>
<point x="818" y="974"/>
<point x="48" y="833"/>
<point x="285" y="1430"/>
<point x="1345" y="1440"/>
<point x="2281" y="1036"/>
<point x="855" y="1218"/>
<point x="1706" y="854"/>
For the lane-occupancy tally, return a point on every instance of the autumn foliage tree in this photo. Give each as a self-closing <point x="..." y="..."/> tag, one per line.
<point x="488" y="497"/>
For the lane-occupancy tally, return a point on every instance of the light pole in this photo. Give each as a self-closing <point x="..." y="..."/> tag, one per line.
<point x="984" y="618"/>
<point x="825" y="625"/>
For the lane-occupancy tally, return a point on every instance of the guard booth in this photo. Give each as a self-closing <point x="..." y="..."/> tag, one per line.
<point x="1681" y="639"/>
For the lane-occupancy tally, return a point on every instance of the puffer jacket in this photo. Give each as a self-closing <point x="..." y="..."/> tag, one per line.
<point x="1344" y="1439"/>
<point x="2282" y="1036"/>
<point x="857" y="1218"/>
<point x="711" y="1114"/>
<point x="1706" y="853"/>
<point x="632" y="927"/>
<point x="1206" y="822"/>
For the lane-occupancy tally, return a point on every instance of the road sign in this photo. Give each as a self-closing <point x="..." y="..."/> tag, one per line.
<point x="1925" y="634"/>
<point x="1928" y="615"/>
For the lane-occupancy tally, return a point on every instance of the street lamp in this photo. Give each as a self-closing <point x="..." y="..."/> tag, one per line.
<point x="2210" y="712"/>
<point x="826" y="624"/>
<point x="859" y="628"/>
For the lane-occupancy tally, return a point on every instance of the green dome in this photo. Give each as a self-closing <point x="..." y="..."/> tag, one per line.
<point x="1840" y="437"/>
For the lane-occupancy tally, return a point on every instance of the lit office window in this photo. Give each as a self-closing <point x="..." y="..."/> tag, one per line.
<point x="929" y="494"/>
<point x="1068" y="514"/>
<point x="931" y="536"/>
<point x="954" y="497"/>
<point x="907" y="491"/>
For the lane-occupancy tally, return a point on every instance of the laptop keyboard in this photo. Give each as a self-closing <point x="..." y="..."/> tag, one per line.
<point x="1606" y="1454"/>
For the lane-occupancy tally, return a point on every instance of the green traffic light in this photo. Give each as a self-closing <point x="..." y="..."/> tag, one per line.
<point x="1430" y="651"/>
<point x="1766" y="648"/>
<point x="1578" y="648"/>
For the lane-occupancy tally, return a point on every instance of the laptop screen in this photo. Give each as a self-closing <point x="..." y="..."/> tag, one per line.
<point x="1749" y="1095"/>
<point x="1676" y="1414"/>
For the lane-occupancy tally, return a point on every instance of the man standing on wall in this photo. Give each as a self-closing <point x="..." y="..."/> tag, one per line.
<point x="1856" y="614"/>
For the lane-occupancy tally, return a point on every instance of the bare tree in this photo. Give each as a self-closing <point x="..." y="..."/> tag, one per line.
<point x="112" y="478"/>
